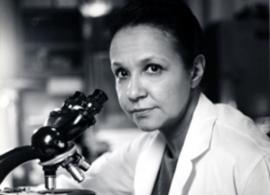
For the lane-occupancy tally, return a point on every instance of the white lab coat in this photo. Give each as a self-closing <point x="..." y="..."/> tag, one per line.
<point x="223" y="154"/>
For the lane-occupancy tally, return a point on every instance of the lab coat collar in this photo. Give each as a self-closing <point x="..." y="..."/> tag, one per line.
<point x="148" y="166"/>
<point x="199" y="134"/>
<point x="197" y="142"/>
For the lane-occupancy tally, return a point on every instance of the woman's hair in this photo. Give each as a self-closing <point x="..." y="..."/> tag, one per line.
<point x="171" y="16"/>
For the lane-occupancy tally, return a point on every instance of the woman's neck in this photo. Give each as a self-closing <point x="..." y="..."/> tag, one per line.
<point x="176" y="133"/>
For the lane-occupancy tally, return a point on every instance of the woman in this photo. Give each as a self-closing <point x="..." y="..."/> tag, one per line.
<point x="190" y="146"/>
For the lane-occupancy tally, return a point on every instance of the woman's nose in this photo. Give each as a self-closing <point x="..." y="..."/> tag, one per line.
<point x="135" y="90"/>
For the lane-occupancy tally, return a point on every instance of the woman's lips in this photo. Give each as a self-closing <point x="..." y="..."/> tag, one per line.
<point x="141" y="111"/>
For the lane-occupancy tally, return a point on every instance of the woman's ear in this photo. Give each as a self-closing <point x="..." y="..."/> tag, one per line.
<point x="197" y="70"/>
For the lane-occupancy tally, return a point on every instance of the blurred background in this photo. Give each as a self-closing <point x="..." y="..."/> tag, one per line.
<point x="51" y="48"/>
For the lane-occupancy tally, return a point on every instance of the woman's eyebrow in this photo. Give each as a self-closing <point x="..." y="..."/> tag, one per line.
<point x="116" y="64"/>
<point x="141" y="62"/>
<point x="151" y="59"/>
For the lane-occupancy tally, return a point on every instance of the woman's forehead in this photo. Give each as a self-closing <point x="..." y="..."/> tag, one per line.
<point x="141" y="44"/>
<point x="144" y="29"/>
<point x="139" y="37"/>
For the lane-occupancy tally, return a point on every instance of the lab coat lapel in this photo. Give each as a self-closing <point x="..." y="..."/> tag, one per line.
<point x="148" y="166"/>
<point x="196" y="144"/>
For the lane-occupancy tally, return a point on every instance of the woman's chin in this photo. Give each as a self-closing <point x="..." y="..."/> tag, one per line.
<point x="146" y="127"/>
<point x="148" y="123"/>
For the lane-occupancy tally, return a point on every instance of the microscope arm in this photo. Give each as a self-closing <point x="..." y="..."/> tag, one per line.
<point x="15" y="157"/>
<point x="53" y="143"/>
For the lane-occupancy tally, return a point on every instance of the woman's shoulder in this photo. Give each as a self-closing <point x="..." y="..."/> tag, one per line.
<point x="128" y="153"/>
<point x="116" y="169"/>
<point x="239" y="134"/>
<point x="141" y="141"/>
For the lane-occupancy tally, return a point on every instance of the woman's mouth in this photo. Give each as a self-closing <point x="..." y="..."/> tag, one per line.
<point x="141" y="112"/>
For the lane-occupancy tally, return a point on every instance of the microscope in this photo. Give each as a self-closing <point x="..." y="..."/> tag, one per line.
<point x="53" y="144"/>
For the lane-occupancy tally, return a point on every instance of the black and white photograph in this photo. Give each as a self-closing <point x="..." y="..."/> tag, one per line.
<point x="134" y="97"/>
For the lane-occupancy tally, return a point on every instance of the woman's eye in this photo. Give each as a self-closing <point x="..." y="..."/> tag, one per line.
<point x="121" y="73"/>
<point x="153" y="68"/>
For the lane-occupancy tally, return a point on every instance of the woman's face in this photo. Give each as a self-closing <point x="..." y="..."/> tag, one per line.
<point x="152" y="85"/>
